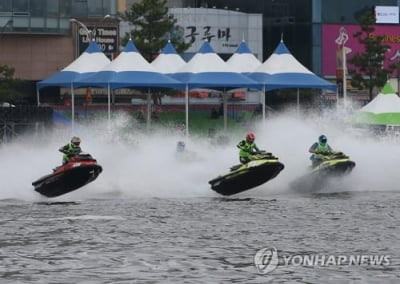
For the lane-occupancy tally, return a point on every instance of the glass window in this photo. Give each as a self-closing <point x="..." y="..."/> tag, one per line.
<point x="79" y="8"/>
<point x="20" y="6"/>
<point x="38" y="8"/>
<point x="345" y="11"/>
<point x="5" y="5"/>
<point x="52" y="8"/>
<point x="65" y="8"/>
<point x="95" y="8"/>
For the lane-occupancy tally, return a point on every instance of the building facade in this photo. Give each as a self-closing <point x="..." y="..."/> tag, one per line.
<point x="37" y="37"/>
<point x="304" y="24"/>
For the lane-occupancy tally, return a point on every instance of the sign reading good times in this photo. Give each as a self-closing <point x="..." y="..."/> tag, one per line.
<point x="105" y="36"/>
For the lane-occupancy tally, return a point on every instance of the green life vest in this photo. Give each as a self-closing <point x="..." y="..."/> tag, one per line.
<point x="71" y="151"/>
<point x="322" y="148"/>
<point x="246" y="148"/>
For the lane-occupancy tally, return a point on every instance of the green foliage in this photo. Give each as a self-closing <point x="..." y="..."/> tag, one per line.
<point x="8" y="85"/>
<point x="369" y="71"/>
<point x="152" y="28"/>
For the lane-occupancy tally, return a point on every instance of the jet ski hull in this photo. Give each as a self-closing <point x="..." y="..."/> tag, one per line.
<point x="319" y="176"/>
<point x="67" y="178"/>
<point x="246" y="177"/>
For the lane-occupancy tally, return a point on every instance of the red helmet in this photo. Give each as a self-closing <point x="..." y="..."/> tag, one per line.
<point x="250" y="137"/>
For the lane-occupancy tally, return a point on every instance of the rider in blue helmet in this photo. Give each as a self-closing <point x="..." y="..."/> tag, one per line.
<point x="319" y="148"/>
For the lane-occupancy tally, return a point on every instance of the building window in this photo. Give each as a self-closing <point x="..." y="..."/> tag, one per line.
<point x="20" y="6"/>
<point x="38" y="8"/>
<point x="95" y="8"/>
<point x="5" y="5"/>
<point x="52" y="8"/>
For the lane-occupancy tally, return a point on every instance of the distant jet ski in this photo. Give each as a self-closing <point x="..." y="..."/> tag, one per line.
<point x="79" y="171"/>
<point x="334" y="165"/>
<point x="246" y="176"/>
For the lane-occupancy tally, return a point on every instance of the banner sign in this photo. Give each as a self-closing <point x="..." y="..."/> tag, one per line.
<point x="330" y="33"/>
<point x="105" y="36"/>
<point x="224" y="29"/>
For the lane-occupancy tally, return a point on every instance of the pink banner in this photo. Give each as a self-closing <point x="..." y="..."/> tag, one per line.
<point x="330" y="47"/>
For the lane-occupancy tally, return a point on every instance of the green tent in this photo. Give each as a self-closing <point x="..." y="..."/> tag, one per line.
<point x="384" y="109"/>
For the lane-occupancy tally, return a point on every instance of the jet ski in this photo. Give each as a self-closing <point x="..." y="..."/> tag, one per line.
<point x="261" y="169"/>
<point x="80" y="170"/>
<point x="333" y="165"/>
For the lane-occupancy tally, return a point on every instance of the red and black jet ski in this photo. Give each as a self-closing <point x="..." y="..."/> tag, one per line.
<point x="80" y="170"/>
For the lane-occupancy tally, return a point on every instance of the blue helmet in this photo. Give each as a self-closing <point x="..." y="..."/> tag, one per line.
<point x="322" y="139"/>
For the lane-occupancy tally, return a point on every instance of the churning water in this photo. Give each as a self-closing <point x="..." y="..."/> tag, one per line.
<point x="150" y="217"/>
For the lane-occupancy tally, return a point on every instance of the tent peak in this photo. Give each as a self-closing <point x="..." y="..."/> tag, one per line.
<point x="387" y="89"/>
<point x="206" y="48"/>
<point x="169" y="49"/>
<point x="130" y="47"/>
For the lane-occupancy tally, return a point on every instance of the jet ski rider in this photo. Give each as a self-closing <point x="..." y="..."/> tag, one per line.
<point x="247" y="148"/>
<point x="71" y="149"/>
<point x="319" y="148"/>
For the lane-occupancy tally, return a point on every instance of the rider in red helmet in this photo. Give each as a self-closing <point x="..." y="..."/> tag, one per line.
<point x="247" y="148"/>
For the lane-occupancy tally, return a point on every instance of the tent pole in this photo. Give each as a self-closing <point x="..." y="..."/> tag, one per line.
<point x="148" y="110"/>
<point x="72" y="107"/>
<point x="298" y="101"/>
<point x="187" y="111"/>
<point x="225" y="100"/>
<point x="109" y="105"/>
<point x="263" y="98"/>
<point x="37" y="96"/>
<point x="344" y="76"/>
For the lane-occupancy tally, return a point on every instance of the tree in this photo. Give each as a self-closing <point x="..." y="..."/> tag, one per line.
<point x="153" y="27"/>
<point x="369" y="70"/>
<point x="8" y="84"/>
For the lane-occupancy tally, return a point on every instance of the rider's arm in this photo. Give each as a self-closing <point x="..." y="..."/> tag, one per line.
<point x="241" y="144"/>
<point x="313" y="148"/>
<point x="64" y="149"/>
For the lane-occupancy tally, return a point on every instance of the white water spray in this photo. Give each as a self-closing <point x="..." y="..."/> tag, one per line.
<point x="136" y="164"/>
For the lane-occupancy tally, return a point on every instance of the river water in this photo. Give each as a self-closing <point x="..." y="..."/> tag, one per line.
<point x="149" y="218"/>
<point x="198" y="240"/>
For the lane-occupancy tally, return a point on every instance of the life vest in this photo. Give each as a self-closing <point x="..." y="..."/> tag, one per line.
<point x="322" y="148"/>
<point x="246" y="148"/>
<point x="71" y="150"/>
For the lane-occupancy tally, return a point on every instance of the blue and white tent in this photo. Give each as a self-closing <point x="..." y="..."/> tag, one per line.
<point x="129" y="69"/>
<point x="207" y="70"/>
<point x="243" y="60"/>
<point x="88" y="63"/>
<point x="282" y="70"/>
<point x="168" y="61"/>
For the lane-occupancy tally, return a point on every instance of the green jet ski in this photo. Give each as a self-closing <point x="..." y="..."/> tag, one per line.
<point x="261" y="169"/>
<point x="335" y="164"/>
